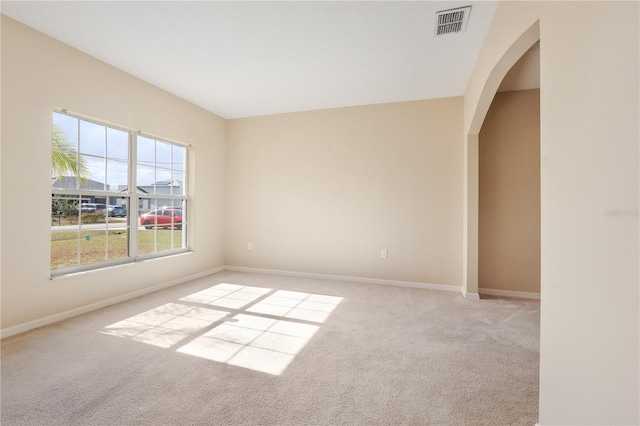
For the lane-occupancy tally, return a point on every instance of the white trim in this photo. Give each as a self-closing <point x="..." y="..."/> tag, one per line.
<point x="21" y="328"/>
<point x="81" y="270"/>
<point x="346" y="278"/>
<point x="509" y="293"/>
<point x="470" y="296"/>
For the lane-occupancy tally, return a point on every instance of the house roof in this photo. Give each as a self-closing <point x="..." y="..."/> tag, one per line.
<point x="70" y="182"/>
<point x="126" y="189"/>
<point x="168" y="183"/>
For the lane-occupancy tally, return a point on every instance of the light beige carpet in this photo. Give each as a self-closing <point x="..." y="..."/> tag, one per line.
<point x="238" y="348"/>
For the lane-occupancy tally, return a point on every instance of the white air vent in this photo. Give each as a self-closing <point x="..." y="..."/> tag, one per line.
<point x="452" y="20"/>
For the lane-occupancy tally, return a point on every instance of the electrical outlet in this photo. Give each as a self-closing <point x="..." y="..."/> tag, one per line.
<point x="249" y="246"/>
<point x="383" y="253"/>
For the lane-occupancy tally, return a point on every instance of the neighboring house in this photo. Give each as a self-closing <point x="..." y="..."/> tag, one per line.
<point x="161" y="187"/>
<point x="70" y="182"/>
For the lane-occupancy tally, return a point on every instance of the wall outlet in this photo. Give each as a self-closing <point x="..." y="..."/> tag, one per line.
<point x="249" y="246"/>
<point x="383" y="253"/>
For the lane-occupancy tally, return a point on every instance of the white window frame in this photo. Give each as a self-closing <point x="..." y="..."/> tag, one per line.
<point x="135" y="197"/>
<point x="133" y="201"/>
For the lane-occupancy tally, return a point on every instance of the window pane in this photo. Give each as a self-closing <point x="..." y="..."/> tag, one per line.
<point x="117" y="175"/>
<point x="96" y="167"/>
<point x="179" y="155"/>
<point x="146" y="242"/>
<point x="178" y="236"/>
<point x="164" y="239"/>
<point x="178" y="183"/>
<point x="147" y="213"/>
<point x="177" y="204"/>
<point x="64" y="152"/>
<point x="92" y="138"/>
<point x="64" y="209"/>
<point x="160" y="225"/>
<point x="64" y="182"/>
<point x="78" y="230"/>
<point x="118" y="244"/>
<point x="146" y="150"/>
<point x="117" y="144"/>
<point x="178" y="240"/>
<point x="146" y="177"/>
<point x="69" y="126"/>
<point x="64" y="235"/>
<point x="64" y="247"/>
<point x="93" y="211"/>
<point x="163" y="181"/>
<point x="163" y="155"/>
<point x="93" y="246"/>
<point x="118" y="236"/>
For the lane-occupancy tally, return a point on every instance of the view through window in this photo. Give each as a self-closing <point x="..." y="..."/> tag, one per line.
<point x="106" y="207"/>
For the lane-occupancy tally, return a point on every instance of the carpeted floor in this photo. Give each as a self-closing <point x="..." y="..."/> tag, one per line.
<point x="250" y="349"/>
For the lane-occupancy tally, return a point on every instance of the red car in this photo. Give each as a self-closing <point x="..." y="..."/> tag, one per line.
<point x="162" y="218"/>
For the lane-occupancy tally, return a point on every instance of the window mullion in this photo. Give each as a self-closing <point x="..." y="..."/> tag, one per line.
<point x="133" y="194"/>
<point x="78" y="156"/>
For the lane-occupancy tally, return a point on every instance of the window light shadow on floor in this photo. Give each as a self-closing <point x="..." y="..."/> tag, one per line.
<point x="251" y="327"/>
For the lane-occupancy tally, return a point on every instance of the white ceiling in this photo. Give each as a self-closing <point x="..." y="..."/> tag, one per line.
<point x="241" y="59"/>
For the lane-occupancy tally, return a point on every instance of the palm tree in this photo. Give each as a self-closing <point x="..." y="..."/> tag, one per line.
<point x="65" y="161"/>
<point x="64" y="157"/>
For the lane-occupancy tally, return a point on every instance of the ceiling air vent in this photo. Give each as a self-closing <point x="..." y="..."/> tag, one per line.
<point x="452" y="20"/>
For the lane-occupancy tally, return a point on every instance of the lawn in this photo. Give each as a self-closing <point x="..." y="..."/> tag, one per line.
<point x="70" y="248"/>
<point x="57" y="220"/>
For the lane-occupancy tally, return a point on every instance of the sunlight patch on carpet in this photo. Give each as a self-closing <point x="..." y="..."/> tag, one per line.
<point x="165" y="325"/>
<point x="260" y="344"/>
<point x="260" y="329"/>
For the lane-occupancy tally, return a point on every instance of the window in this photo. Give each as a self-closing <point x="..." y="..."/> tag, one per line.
<point x="161" y="172"/>
<point x="116" y="195"/>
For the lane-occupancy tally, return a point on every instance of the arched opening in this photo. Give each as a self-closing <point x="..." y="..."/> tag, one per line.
<point x="471" y="200"/>
<point x="509" y="185"/>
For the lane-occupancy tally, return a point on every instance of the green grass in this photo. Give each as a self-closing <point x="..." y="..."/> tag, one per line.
<point x="101" y="246"/>
<point x="87" y="218"/>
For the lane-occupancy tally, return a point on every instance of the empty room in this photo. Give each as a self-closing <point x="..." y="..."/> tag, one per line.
<point x="317" y="213"/>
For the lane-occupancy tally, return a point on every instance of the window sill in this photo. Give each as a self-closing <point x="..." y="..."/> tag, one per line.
<point x="125" y="263"/>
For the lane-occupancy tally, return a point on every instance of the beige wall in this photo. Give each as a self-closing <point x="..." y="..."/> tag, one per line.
<point x="589" y="87"/>
<point x="325" y="191"/>
<point x="509" y="200"/>
<point x="38" y="74"/>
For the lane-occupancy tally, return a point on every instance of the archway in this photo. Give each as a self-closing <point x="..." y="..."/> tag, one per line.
<point x="509" y="207"/>
<point x="471" y="155"/>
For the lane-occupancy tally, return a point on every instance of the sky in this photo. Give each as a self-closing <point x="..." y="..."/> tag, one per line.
<point x="105" y="151"/>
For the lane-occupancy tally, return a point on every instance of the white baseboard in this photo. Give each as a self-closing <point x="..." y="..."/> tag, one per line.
<point x="470" y="296"/>
<point x="345" y="278"/>
<point x="21" y="328"/>
<point x="509" y="293"/>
